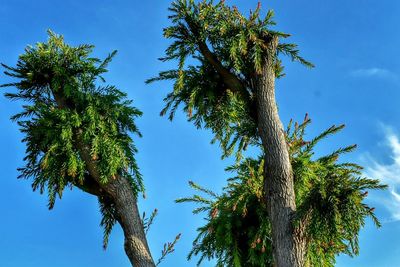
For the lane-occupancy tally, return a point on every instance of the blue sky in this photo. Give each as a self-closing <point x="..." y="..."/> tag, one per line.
<point x="355" y="47"/>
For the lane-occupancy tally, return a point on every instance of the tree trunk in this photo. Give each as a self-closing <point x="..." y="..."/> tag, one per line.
<point x="288" y="248"/>
<point x="136" y="246"/>
<point x="120" y="192"/>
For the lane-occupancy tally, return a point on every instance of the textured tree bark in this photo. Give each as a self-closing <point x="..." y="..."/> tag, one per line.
<point x="119" y="191"/>
<point x="288" y="247"/>
<point x="136" y="246"/>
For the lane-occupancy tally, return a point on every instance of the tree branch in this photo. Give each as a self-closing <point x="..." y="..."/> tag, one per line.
<point x="90" y="186"/>
<point x="229" y="78"/>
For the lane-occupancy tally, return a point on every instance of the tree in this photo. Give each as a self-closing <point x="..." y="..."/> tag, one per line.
<point x="331" y="194"/>
<point x="225" y="79"/>
<point x="78" y="134"/>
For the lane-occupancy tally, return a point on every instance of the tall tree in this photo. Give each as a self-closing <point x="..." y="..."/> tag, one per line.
<point x="227" y="66"/>
<point x="78" y="134"/>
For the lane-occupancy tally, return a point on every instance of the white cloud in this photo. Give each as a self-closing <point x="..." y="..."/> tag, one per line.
<point x="378" y="72"/>
<point x="388" y="173"/>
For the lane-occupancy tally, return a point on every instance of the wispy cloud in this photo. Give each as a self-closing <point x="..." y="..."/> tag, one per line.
<point x="388" y="173"/>
<point x="375" y="72"/>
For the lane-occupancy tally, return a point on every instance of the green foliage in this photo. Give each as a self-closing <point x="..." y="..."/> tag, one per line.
<point x="148" y="221"/>
<point x="329" y="196"/>
<point x="330" y="199"/>
<point x="109" y="219"/>
<point x="169" y="248"/>
<point x="58" y="84"/>
<point x="207" y="32"/>
<point x="209" y="106"/>
<point x="237" y="230"/>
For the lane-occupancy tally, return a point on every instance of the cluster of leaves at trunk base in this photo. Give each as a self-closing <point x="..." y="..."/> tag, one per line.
<point x="330" y="199"/>
<point x="219" y="91"/>
<point x="65" y="113"/>
<point x="236" y="231"/>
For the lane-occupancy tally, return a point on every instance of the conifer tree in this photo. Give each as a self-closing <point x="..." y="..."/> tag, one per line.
<point x="78" y="134"/>
<point x="225" y="79"/>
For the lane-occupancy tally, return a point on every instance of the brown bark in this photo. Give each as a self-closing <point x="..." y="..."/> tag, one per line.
<point x="288" y="244"/>
<point x="118" y="190"/>
<point x="136" y="246"/>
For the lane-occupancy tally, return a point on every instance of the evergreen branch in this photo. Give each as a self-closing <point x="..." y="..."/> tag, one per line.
<point x="332" y="130"/>
<point x="147" y="222"/>
<point x="168" y="249"/>
<point x="202" y="189"/>
<point x="108" y="220"/>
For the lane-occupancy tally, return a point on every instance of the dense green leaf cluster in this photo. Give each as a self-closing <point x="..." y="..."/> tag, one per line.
<point x="330" y="196"/>
<point x="205" y="33"/>
<point x="65" y="109"/>
<point x="237" y="231"/>
<point x="209" y="106"/>
<point x="330" y="199"/>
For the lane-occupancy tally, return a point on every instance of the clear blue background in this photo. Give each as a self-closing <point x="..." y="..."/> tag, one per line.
<point x="353" y="43"/>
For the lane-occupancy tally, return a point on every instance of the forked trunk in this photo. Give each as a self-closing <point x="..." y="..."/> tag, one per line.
<point x="288" y="247"/>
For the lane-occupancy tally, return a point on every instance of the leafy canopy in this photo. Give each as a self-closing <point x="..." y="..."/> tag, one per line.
<point x="219" y="53"/>
<point x="330" y="199"/>
<point x="51" y="73"/>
